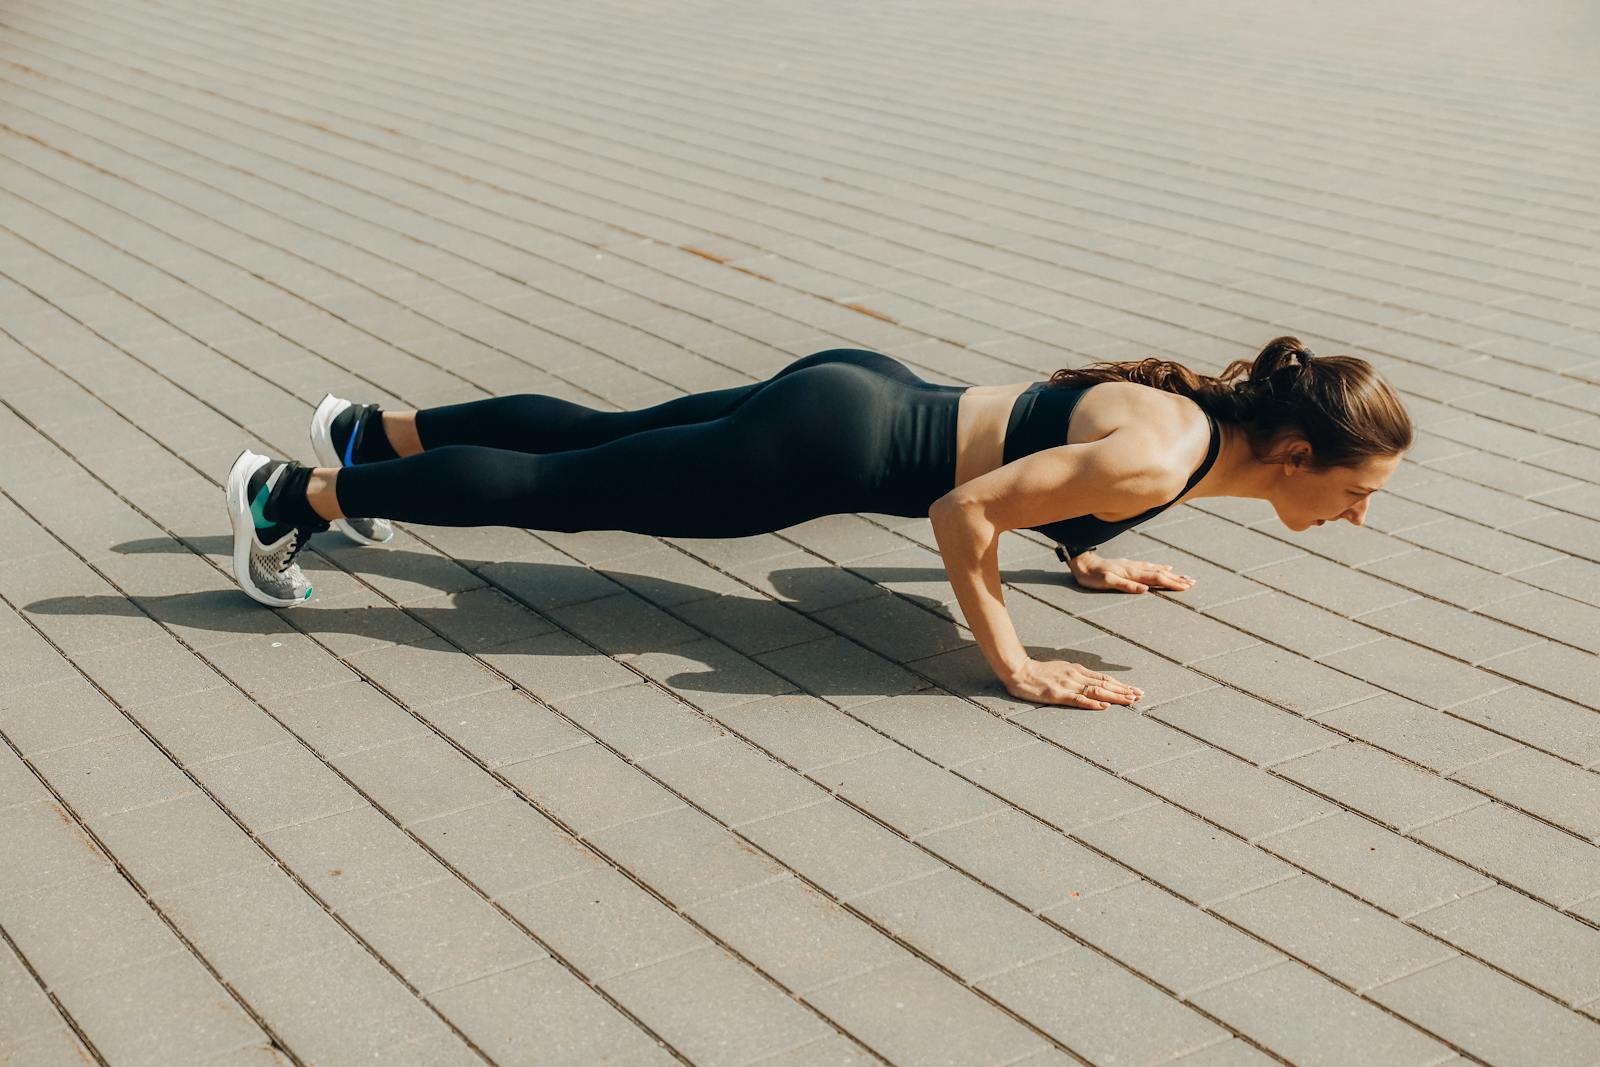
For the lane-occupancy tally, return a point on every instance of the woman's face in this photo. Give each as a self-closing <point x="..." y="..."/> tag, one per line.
<point x="1307" y="498"/>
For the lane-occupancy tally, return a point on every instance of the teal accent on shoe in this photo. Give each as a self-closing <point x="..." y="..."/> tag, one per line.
<point x="308" y="594"/>
<point x="256" y="508"/>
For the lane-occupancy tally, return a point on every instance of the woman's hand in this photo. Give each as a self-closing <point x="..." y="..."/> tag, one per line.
<point x="1126" y="575"/>
<point x="1057" y="682"/>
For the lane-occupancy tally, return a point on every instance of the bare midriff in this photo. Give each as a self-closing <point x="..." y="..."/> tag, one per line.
<point x="983" y="412"/>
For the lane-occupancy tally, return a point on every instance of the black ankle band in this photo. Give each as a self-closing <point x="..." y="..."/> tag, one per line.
<point x="372" y="443"/>
<point x="288" y="501"/>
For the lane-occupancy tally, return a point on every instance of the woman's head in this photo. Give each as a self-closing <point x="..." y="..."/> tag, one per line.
<point x="1329" y="426"/>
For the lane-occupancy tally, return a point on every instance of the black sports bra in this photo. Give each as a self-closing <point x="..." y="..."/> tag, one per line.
<point x="1038" y="421"/>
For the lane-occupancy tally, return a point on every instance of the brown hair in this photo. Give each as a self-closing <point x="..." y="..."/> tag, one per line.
<point x="1339" y="404"/>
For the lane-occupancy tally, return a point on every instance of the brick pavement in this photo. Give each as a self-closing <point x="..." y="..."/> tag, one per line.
<point x="507" y="796"/>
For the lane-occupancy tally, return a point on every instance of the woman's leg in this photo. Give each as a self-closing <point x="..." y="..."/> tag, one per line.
<point x="796" y="447"/>
<point x="534" y="422"/>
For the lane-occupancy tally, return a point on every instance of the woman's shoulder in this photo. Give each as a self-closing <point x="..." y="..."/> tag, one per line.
<point x="1165" y="424"/>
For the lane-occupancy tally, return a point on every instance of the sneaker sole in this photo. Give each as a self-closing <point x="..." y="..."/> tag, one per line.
<point x="244" y="529"/>
<point x="328" y="456"/>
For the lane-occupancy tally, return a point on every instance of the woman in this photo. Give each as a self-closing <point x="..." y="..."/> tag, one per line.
<point x="1080" y="457"/>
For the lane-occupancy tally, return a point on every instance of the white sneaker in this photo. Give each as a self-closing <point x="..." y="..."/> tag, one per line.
<point x="335" y="448"/>
<point x="264" y="551"/>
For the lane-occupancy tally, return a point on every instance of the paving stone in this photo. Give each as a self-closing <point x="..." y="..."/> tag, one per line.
<point x="1541" y="785"/>
<point x="420" y="777"/>
<point x="52" y="927"/>
<point x="505" y="845"/>
<point x="1490" y="1016"/>
<point x="1120" y="739"/>
<point x="67" y="711"/>
<point x="144" y="671"/>
<point x="1443" y="628"/>
<point x="210" y="725"/>
<point x="909" y="1012"/>
<point x="1020" y="857"/>
<point x="1540" y="720"/>
<point x="1566" y="672"/>
<point x="1519" y="850"/>
<point x="1163" y="938"/>
<point x="540" y="1012"/>
<point x="1424" y="735"/>
<point x="1172" y="631"/>
<point x="960" y="924"/>
<point x="1339" y="589"/>
<point x="1397" y="794"/>
<point x="1231" y="793"/>
<point x="286" y="922"/>
<point x="1182" y="853"/>
<point x="795" y="933"/>
<point x="893" y="626"/>
<point x="748" y="622"/>
<point x="352" y="856"/>
<point x="1292" y="623"/>
<point x="276" y="786"/>
<point x="1056" y="786"/>
<point x="1450" y="580"/>
<point x="603" y="923"/>
<point x="167" y="1009"/>
<point x="1307" y="1019"/>
<point x="838" y="848"/>
<point x="177" y="841"/>
<point x="639" y="720"/>
<point x="941" y="726"/>
<point x="277" y="665"/>
<point x="686" y="856"/>
<point x="1415" y="673"/>
<point x="51" y="849"/>
<point x="1345" y="938"/>
<point x="440" y="934"/>
<point x="1282" y="678"/>
<point x="1099" y="1010"/>
<point x="504" y="726"/>
<point x="709" y="675"/>
<point x="344" y="718"/>
<point x="309" y="1002"/>
<point x="803" y="730"/>
<point x="733" y="781"/>
<point x="113" y="774"/>
<point x="840" y="671"/>
<point x="1556" y="617"/>
<point x="1249" y="728"/>
<point x="714" y="1009"/>
<point x="426" y="673"/>
<point x="906" y="791"/>
<point x="1536" y="943"/>
<point x="588" y="788"/>
<point x="1377" y="865"/>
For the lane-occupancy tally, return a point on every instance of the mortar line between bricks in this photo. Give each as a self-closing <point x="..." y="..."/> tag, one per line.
<point x="55" y="1002"/>
<point x="843" y="904"/>
<point x="448" y="868"/>
<point x="668" y="74"/>
<point x="1555" y="438"/>
<point x="925" y="850"/>
<point x="82" y="827"/>
<point x="1436" y="472"/>
<point x="1580" y="411"/>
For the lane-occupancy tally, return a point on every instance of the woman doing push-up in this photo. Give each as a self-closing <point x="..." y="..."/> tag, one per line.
<point x="1079" y="458"/>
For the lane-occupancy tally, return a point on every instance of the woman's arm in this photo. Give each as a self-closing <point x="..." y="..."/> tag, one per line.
<point x="967" y="523"/>
<point x="970" y="545"/>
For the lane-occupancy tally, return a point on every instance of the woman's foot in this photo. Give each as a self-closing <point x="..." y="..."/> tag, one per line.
<point x="342" y="436"/>
<point x="264" y="549"/>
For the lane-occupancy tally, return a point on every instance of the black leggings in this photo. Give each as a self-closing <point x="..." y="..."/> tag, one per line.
<point x="836" y="432"/>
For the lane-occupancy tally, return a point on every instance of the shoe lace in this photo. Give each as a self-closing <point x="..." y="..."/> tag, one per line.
<point x="298" y="537"/>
